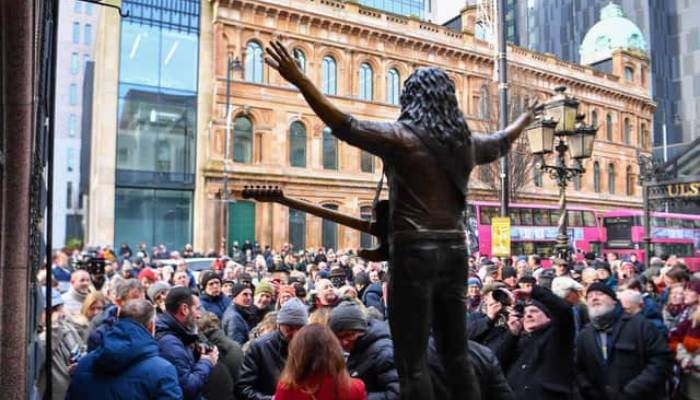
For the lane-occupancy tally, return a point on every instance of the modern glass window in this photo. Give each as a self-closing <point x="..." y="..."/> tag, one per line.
<point x="297" y="229"/>
<point x="243" y="140"/>
<point x="74" y="63"/>
<point x="153" y="216"/>
<point x="629" y="182"/>
<point x="87" y="39"/>
<point x="69" y="194"/>
<point x="409" y="8"/>
<point x="627" y="139"/>
<point x="301" y="59"/>
<point x="72" y="125"/>
<point x="366" y="240"/>
<point x="393" y="87"/>
<point x="596" y="177"/>
<point x="329" y="230"/>
<point x="629" y="74"/>
<point x="609" y="127"/>
<point x="297" y="145"/>
<point x="76" y="33"/>
<point x="328" y="76"/>
<point x="73" y="94"/>
<point x="330" y="149"/>
<point x="366" y="162"/>
<point x="366" y="82"/>
<point x="611" y="179"/>
<point x="254" y="62"/>
<point x="178" y="60"/>
<point x="70" y="159"/>
<point x="594" y="118"/>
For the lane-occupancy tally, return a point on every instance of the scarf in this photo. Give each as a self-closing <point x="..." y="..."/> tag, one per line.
<point x="605" y="322"/>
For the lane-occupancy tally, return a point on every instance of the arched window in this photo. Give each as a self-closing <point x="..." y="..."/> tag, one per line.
<point x="366" y="82"/>
<point x="297" y="145"/>
<point x="393" y="87"/>
<point x="254" y="63"/>
<point x="301" y="59"/>
<point x="611" y="179"/>
<point x="242" y="140"/>
<point x="629" y="74"/>
<point x="330" y="149"/>
<point x="609" y="127"/>
<point x="594" y="118"/>
<point x="627" y="136"/>
<point x="629" y="182"/>
<point x="366" y="162"/>
<point x="329" y="230"/>
<point x="366" y="240"/>
<point x="596" y="177"/>
<point x="484" y="102"/>
<point x="297" y="229"/>
<point x="328" y="84"/>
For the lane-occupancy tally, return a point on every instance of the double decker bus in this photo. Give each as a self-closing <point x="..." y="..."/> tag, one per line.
<point x="671" y="234"/>
<point x="533" y="228"/>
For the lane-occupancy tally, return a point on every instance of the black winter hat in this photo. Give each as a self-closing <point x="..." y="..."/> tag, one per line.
<point x="541" y="307"/>
<point x="237" y="289"/>
<point x="347" y="316"/>
<point x="208" y="276"/>
<point x="603" y="288"/>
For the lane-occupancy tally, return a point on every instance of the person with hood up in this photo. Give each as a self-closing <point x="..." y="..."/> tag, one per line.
<point x="127" y="364"/>
<point x="371" y="351"/>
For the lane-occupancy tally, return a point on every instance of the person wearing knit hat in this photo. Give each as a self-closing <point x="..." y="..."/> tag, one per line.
<point x="509" y="276"/>
<point x="264" y="294"/>
<point x="147" y="277"/>
<point x="292" y="314"/>
<point x="602" y="288"/>
<point x="212" y="298"/>
<point x="240" y="315"/>
<point x="157" y="293"/>
<point x="371" y="352"/>
<point x="473" y="299"/>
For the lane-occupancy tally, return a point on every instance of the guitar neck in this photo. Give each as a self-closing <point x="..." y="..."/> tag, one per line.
<point x="332" y="215"/>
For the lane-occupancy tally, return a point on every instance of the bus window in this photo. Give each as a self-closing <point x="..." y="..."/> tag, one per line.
<point x="575" y="218"/>
<point x="589" y="219"/>
<point x="540" y="217"/>
<point x="676" y="249"/>
<point x="526" y="216"/>
<point x="515" y="217"/>
<point x="687" y="223"/>
<point x="697" y="224"/>
<point x="658" y="221"/>
<point x="554" y="217"/>
<point x="487" y="213"/>
<point x="675" y="223"/>
<point x="619" y="228"/>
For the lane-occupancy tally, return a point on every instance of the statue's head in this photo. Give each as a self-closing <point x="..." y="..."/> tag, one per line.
<point x="429" y="101"/>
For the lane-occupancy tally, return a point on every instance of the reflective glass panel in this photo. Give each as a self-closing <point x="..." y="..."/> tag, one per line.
<point x="297" y="145"/>
<point x="254" y="63"/>
<point x="297" y="229"/>
<point x="243" y="140"/>
<point x="178" y="60"/>
<point x="140" y="54"/>
<point x="329" y="233"/>
<point x="330" y="150"/>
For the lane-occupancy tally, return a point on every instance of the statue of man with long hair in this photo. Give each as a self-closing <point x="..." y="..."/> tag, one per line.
<point x="428" y="155"/>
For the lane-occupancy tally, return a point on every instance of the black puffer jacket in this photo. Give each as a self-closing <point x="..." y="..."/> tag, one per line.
<point x="487" y="369"/>
<point x="262" y="366"/>
<point x="225" y="373"/>
<point x="639" y="361"/>
<point x="372" y="360"/>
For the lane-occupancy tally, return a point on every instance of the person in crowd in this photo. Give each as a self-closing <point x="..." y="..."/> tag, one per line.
<point x="526" y="283"/>
<point x="225" y="373"/>
<point x="490" y="327"/>
<point x="326" y="296"/>
<point x="239" y="314"/>
<point x="157" y="293"/>
<point x="370" y="292"/>
<point x="570" y="291"/>
<point x="67" y="346"/>
<point x="627" y="271"/>
<point x="181" y="266"/>
<point x="213" y="300"/>
<point x="561" y="267"/>
<point x="316" y="369"/>
<point x="631" y="301"/>
<point x="674" y="307"/>
<point x="605" y="275"/>
<point x="266" y="356"/>
<point x="180" y="278"/>
<point x="685" y="343"/>
<point x="589" y="275"/>
<point x="176" y="333"/>
<point x="127" y="364"/>
<point x="147" y="277"/>
<point x="537" y="354"/>
<point x="79" y="288"/>
<point x="691" y="295"/>
<point x="93" y="306"/>
<point x="61" y="271"/>
<point x="654" y="269"/>
<point x="618" y="355"/>
<point x="337" y="277"/>
<point x="370" y="349"/>
<point x="473" y="300"/>
<point x="522" y="267"/>
<point x="671" y="276"/>
<point x="129" y="289"/>
<point x="286" y="293"/>
<point x="263" y="299"/>
<point x="509" y="276"/>
<point x="649" y="308"/>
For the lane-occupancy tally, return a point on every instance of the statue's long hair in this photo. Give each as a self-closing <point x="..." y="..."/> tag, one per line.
<point x="429" y="101"/>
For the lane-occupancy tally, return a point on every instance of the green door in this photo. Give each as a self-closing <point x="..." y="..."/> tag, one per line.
<point x="241" y="222"/>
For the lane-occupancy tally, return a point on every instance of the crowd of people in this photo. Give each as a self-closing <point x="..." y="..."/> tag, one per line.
<point x="312" y="324"/>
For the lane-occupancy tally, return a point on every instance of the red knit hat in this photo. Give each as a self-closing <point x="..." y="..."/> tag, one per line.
<point x="149" y="274"/>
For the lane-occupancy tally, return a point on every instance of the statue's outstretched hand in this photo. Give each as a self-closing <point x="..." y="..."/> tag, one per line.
<point x="535" y="107"/>
<point x="278" y="57"/>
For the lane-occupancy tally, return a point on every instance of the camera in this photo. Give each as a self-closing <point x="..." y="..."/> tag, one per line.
<point x="94" y="263"/>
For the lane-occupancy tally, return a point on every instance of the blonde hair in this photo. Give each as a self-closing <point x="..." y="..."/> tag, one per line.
<point x="92" y="298"/>
<point x="320" y="316"/>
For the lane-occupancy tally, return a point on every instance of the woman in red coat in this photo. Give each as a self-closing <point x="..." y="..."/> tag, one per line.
<point x="315" y="369"/>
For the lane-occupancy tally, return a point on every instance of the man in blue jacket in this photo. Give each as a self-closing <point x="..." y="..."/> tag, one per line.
<point x="213" y="300"/>
<point x="178" y="342"/>
<point x="126" y="365"/>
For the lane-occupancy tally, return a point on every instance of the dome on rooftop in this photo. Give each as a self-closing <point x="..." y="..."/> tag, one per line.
<point x="612" y="32"/>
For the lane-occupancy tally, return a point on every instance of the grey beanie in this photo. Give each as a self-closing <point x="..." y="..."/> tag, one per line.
<point x="347" y="316"/>
<point x="157" y="288"/>
<point x="293" y="312"/>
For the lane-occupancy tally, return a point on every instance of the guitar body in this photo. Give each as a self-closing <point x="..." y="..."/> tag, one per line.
<point x="378" y="227"/>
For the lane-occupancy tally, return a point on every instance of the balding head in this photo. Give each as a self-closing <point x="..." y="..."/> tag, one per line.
<point x="80" y="281"/>
<point x="141" y="311"/>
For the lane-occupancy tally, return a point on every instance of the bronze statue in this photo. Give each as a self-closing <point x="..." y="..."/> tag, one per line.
<point x="428" y="155"/>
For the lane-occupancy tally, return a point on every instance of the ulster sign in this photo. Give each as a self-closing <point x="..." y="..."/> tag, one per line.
<point x="675" y="190"/>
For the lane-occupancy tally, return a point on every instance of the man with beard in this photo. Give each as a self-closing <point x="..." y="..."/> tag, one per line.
<point x="428" y="155"/>
<point x="326" y="296"/>
<point x="239" y="315"/>
<point x="176" y="333"/>
<point x="619" y="356"/>
<point x="265" y="358"/>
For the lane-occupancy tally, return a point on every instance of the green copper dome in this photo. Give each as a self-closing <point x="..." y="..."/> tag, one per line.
<point x="613" y="31"/>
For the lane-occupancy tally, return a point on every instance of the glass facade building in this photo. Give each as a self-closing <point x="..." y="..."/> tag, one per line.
<point x="156" y="122"/>
<point x="416" y="8"/>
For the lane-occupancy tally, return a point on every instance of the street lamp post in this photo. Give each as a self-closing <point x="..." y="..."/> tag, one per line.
<point x="647" y="174"/>
<point x="563" y="123"/>
<point x="232" y="64"/>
